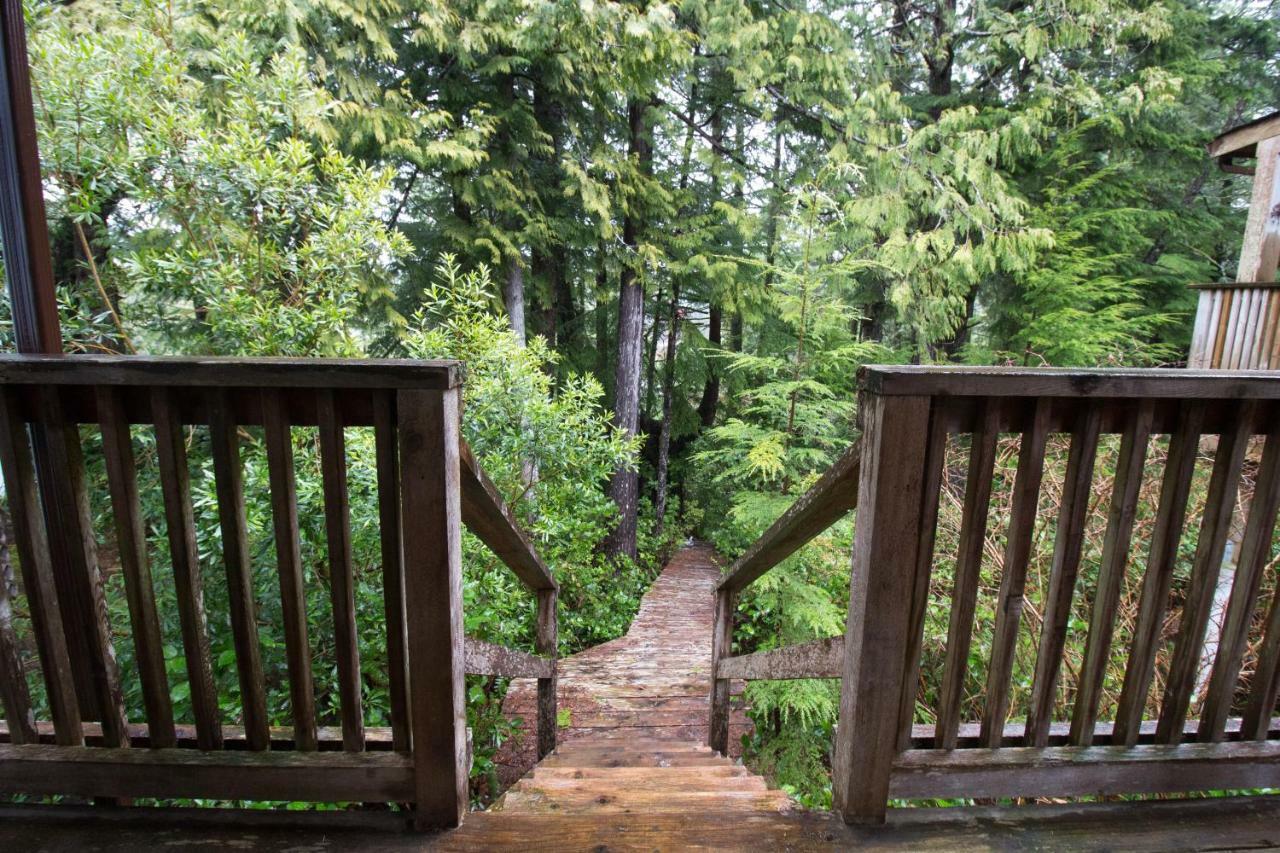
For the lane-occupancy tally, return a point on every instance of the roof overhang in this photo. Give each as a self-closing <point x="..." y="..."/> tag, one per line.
<point x="1241" y="143"/>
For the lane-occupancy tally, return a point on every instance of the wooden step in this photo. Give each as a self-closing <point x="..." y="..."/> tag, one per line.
<point x="597" y="800"/>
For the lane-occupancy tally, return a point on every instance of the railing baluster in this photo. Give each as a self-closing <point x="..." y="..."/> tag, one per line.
<point x="430" y="495"/>
<point x="1214" y="528"/>
<point x="547" y="646"/>
<point x="293" y="598"/>
<point x="15" y="693"/>
<point x="337" y="525"/>
<point x="1115" y="559"/>
<point x="885" y="550"/>
<point x="229" y="484"/>
<point x="931" y="489"/>
<point x="1062" y="574"/>
<point x="1013" y="581"/>
<point x="37" y="573"/>
<point x="1255" y="553"/>
<point x="721" y="647"/>
<point x="1265" y="689"/>
<point x="964" y="595"/>
<point x="389" y="523"/>
<point x="131" y="543"/>
<point x="175" y="483"/>
<point x="68" y="498"/>
<point x="1161" y="557"/>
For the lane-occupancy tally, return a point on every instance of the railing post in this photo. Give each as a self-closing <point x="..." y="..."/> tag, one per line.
<point x="886" y="542"/>
<point x="721" y="647"/>
<point x="431" y="507"/>
<point x="547" y="643"/>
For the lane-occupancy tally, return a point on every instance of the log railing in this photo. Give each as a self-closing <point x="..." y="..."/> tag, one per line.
<point x="428" y="485"/>
<point x="909" y="416"/>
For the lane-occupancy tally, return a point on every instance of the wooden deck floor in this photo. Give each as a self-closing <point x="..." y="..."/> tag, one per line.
<point x="653" y="683"/>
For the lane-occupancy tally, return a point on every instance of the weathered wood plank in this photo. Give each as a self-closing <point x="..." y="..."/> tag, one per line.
<point x="223" y="372"/>
<point x="1014" y="734"/>
<point x="481" y="658"/>
<point x="964" y="593"/>
<point x="1062" y="574"/>
<point x="826" y="502"/>
<point x="487" y="516"/>
<point x="1170" y="383"/>
<point x="721" y="648"/>
<point x="337" y="526"/>
<point x="1069" y="771"/>
<point x="430" y="494"/>
<point x="885" y="550"/>
<point x="1111" y="573"/>
<point x="818" y="659"/>
<point x="391" y="538"/>
<point x="1013" y="581"/>
<point x="329" y="738"/>
<point x="77" y="574"/>
<point x="1215" y="526"/>
<point x="37" y="573"/>
<point x="15" y="693"/>
<point x="1161" y="556"/>
<point x="931" y="489"/>
<point x="175" y="484"/>
<point x="229" y="486"/>
<point x="1265" y="689"/>
<point x="223" y="775"/>
<point x="1255" y="553"/>
<point x="548" y="645"/>
<point x="293" y="599"/>
<point x="131" y="545"/>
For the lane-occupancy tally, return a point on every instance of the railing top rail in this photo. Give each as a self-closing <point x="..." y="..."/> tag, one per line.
<point x="1236" y="285"/>
<point x="227" y="372"/>
<point x="487" y="516"/>
<point x="1160" y="383"/>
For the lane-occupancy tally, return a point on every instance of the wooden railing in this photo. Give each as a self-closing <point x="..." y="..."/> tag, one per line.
<point x="895" y="476"/>
<point x="428" y="484"/>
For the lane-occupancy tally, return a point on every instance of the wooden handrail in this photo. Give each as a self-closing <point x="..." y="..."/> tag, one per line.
<point x="487" y="516"/>
<point x="835" y="493"/>
<point x="1158" y="383"/>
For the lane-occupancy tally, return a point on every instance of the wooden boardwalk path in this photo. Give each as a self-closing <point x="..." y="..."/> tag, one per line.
<point x="652" y="684"/>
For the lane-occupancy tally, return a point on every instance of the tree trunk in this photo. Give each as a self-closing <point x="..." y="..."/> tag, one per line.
<point x="624" y="487"/>
<point x="513" y="298"/>
<point x="668" y="387"/>
<point x="711" y="388"/>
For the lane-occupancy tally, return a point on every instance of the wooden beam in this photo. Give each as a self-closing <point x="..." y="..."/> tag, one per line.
<point x="1104" y="734"/>
<point x="1075" y="771"/>
<point x="328" y="738"/>
<point x="222" y="775"/>
<point x="833" y="496"/>
<point x="333" y="374"/>
<point x="1260" y="250"/>
<point x="819" y="659"/>
<point x="487" y="515"/>
<point x="1166" y="383"/>
<point x="1242" y="141"/>
<point x="481" y="658"/>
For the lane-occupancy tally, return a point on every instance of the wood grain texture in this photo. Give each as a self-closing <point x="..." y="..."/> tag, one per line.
<point x="229" y="486"/>
<point x="228" y="372"/>
<point x="886" y="543"/>
<point x="431" y="503"/>
<point x="337" y="528"/>
<point x="37" y="573"/>
<point x="293" y="599"/>
<point x="481" y="658"/>
<point x="175" y="485"/>
<point x="1070" y="771"/>
<point x="1215" y="526"/>
<point x="964" y="592"/>
<point x="1255" y="553"/>
<point x="1161" y="557"/>
<point x="1111" y="573"/>
<point x="1166" y="383"/>
<point x="817" y="659"/>
<point x="15" y="693"/>
<point x="391" y="537"/>
<point x="1063" y="571"/>
<point x="547" y="642"/>
<point x="222" y="775"/>
<point x="1013" y="580"/>
<point x="826" y="502"/>
<point x="1265" y="690"/>
<point x="487" y="515"/>
<point x="721" y="648"/>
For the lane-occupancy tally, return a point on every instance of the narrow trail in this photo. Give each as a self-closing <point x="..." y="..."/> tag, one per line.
<point x="652" y="684"/>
